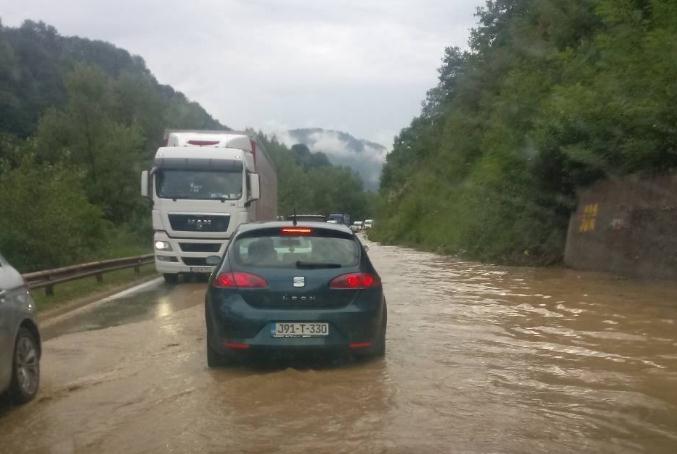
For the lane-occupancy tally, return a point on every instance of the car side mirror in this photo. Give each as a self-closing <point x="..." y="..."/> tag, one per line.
<point x="213" y="260"/>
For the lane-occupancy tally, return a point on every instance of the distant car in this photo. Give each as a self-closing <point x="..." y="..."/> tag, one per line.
<point x="368" y="223"/>
<point x="285" y="287"/>
<point x="307" y="218"/>
<point x="357" y="226"/>
<point x="20" y="347"/>
<point x="339" y="218"/>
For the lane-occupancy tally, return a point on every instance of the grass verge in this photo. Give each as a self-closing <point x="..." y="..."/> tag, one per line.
<point x="86" y="287"/>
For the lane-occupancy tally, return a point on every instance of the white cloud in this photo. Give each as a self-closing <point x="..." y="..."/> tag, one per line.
<point x="329" y="142"/>
<point x="284" y="137"/>
<point x="362" y="66"/>
<point x="365" y="159"/>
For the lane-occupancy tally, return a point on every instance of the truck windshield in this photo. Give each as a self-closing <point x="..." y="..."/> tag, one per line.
<point x="199" y="184"/>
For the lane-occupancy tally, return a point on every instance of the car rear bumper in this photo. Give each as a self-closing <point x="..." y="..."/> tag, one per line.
<point x="237" y="328"/>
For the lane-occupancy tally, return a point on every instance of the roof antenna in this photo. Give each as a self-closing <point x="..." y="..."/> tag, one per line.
<point x="294" y="218"/>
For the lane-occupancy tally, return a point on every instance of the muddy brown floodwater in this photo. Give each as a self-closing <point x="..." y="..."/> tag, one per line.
<point x="480" y="359"/>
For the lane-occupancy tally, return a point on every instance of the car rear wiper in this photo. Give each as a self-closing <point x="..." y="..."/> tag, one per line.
<point x="300" y="264"/>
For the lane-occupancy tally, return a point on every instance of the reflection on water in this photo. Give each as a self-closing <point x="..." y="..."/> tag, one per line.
<point x="480" y="359"/>
<point x="156" y="302"/>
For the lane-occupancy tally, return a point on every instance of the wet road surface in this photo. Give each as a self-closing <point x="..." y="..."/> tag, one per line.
<point x="480" y="359"/>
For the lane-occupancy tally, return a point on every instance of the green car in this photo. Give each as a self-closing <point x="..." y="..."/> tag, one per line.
<point x="286" y="287"/>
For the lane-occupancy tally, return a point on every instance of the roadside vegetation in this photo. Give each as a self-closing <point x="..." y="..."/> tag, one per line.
<point x="551" y="96"/>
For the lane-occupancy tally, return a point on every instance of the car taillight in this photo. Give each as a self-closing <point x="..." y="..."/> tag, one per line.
<point x="294" y="231"/>
<point x="239" y="280"/>
<point x="355" y="281"/>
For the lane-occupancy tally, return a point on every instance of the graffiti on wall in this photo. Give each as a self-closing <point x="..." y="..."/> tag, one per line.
<point x="589" y="218"/>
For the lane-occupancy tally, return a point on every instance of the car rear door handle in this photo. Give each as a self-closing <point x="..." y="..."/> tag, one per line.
<point x="3" y="293"/>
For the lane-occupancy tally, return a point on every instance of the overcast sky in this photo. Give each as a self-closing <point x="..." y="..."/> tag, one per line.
<point x="360" y="66"/>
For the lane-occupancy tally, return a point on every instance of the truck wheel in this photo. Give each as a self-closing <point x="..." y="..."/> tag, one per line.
<point x="171" y="278"/>
<point x="26" y="368"/>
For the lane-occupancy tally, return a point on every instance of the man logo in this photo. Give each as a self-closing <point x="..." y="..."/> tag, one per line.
<point x="199" y="224"/>
<point x="299" y="281"/>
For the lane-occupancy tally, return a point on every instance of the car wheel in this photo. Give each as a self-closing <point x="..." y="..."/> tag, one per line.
<point x="26" y="368"/>
<point x="377" y="351"/>
<point x="380" y="350"/>
<point x="171" y="278"/>
<point x="215" y="359"/>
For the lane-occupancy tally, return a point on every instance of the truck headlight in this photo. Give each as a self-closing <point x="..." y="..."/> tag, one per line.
<point x="163" y="246"/>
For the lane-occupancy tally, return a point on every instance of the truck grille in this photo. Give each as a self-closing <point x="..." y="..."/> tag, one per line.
<point x="199" y="223"/>
<point x="194" y="261"/>
<point x="200" y="247"/>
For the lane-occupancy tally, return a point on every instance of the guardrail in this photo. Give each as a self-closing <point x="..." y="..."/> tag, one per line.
<point x="47" y="279"/>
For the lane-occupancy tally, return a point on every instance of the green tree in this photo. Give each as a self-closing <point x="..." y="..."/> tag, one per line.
<point x="46" y="219"/>
<point x="86" y="135"/>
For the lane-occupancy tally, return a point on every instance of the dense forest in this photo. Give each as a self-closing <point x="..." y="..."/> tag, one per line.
<point x="551" y="96"/>
<point x="79" y="120"/>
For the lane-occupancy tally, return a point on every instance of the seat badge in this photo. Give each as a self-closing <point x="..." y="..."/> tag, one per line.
<point x="299" y="281"/>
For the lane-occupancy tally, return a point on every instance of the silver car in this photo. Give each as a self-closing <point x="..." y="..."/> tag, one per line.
<point x="20" y="347"/>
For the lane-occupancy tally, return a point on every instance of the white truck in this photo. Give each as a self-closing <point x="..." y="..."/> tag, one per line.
<point x="203" y="185"/>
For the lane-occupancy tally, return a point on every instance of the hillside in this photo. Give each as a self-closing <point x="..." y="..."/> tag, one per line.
<point x="34" y="63"/>
<point x="364" y="157"/>
<point x="551" y="97"/>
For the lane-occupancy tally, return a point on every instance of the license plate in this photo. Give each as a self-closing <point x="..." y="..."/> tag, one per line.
<point x="200" y="269"/>
<point x="312" y="329"/>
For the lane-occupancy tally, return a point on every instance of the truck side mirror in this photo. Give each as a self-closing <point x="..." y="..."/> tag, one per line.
<point x="144" y="184"/>
<point x="254" y="187"/>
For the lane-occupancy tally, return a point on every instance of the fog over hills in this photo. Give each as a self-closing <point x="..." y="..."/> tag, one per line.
<point x="364" y="157"/>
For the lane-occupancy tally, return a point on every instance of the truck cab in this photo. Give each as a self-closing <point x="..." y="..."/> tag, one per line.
<point x="339" y="218"/>
<point x="203" y="185"/>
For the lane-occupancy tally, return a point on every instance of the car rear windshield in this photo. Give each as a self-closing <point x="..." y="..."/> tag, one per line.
<point x="281" y="251"/>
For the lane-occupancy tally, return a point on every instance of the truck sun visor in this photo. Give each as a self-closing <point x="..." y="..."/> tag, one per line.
<point x="198" y="164"/>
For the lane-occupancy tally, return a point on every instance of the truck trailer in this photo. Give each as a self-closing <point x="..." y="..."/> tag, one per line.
<point x="203" y="185"/>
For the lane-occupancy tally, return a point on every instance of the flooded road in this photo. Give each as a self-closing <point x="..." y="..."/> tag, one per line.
<point x="480" y="359"/>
